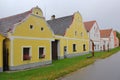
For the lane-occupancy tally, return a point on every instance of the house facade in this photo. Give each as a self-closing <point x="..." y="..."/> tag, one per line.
<point x="71" y="38"/>
<point x="94" y="34"/>
<point x="28" y="41"/>
<point x="107" y="39"/>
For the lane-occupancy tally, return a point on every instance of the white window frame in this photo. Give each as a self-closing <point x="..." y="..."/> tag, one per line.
<point x="30" y="54"/>
<point x="44" y="51"/>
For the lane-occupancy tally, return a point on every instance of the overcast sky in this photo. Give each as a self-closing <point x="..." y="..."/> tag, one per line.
<point x="105" y="12"/>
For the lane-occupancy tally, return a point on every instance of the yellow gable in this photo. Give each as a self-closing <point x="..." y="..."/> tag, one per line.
<point x="77" y="29"/>
<point x="37" y="11"/>
<point x="34" y="25"/>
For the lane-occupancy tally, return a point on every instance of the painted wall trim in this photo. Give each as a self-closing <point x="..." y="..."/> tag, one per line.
<point x="22" y="51"/>
<point x="58" y="48"/>
<point x="12" y="53"/>
<point x="76" y="54"/>
<point x="71" y="38"/>
<point x="31" y="38"/>
<point x="30" y="65"/>
<point x="1" y="69"/>
<point x="50" y="50"/>
<point x="44" y="50"/>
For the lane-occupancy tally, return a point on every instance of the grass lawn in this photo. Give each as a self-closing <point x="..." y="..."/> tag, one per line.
<point x="57" y="69"/>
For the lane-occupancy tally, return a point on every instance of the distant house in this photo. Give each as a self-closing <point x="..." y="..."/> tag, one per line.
<point x="71" y="38"/>
<point x="116" y="40"/>
<point x="28" y="41"/>
<point x="107" y="39"/>
<point x="94" y="34"/>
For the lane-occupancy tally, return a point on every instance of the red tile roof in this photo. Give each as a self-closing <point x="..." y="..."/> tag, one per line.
<point x="88" y="25"/>
<point x="105" y="33"/>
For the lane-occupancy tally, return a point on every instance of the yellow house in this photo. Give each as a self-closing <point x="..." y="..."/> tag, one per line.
<point x="28" y="41"/>
<point x="71" y="38"/>
<point x="1" y="52"/>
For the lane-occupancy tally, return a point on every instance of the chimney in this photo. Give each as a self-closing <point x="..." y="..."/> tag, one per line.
<point x="52" y="17"/>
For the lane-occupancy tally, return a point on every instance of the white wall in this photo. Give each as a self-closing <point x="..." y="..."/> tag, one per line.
<point x="94" y="35"/>
<point x="104" y="41"/>
<point x="111" y="40"/>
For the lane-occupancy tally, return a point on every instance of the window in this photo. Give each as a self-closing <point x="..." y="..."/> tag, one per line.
<point x="74" y="47"/>
<point x="75" y="33"/>
<point x="84" y="47"/>
<point x="42" y="28"/>
<point x="31" y="26"/>
<point x="26" y="53"/>
<point x="36" y="12"/>
<point x="41" y="52"/>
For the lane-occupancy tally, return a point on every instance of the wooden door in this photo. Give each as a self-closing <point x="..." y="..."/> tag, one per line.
<point x="5" y="57"/>
<point x="55" y="50"/>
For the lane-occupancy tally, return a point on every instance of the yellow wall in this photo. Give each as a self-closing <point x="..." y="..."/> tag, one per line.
<point x="78" y="27"/>
<point x="1" y="51"/>
<point x="70" y="38"/>
<point x="79" y="46"/>
<point x="23" y="29"/>
<point x="34" y="45"/>
<point x="63" y="42"/>
<point x="23" y="36"/>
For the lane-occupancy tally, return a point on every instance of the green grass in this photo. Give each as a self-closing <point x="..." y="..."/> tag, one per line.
<point x="57" y="69"/>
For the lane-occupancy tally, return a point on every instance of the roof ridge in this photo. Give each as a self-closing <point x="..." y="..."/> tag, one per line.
<point x="90" y="21"/>
<point x="61" y="17"/>
<point x="106" y="29"/>
<point x="89" y="24"/>
<point x="60" y="25"/>
<point x="105" y="32"/>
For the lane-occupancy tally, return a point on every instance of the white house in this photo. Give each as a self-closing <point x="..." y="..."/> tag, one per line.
<point x="107" y="39"/>
<point x="94" y="34"/>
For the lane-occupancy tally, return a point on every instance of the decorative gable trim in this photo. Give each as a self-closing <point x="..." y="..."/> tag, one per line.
<point x="15" y="25"/>
<point x="69" y="25"/>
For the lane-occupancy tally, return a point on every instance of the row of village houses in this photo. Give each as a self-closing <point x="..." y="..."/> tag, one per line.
<point x="28" y="40"/>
